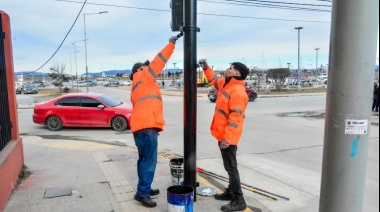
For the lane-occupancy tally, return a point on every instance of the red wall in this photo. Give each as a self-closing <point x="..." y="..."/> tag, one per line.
<point x="12" y="157"/>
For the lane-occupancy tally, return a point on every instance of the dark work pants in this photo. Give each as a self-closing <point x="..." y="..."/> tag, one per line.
<point x="231" y="166"/>
<point x="146" y="142"/>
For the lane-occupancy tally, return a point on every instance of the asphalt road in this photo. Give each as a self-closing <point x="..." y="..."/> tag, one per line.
<point x="278" y="152"/>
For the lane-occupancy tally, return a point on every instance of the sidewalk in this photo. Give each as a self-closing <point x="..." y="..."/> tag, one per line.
<point x="102" y="178"/>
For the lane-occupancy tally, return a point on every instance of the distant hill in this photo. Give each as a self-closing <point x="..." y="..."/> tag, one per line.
<point x="98" y="74"/>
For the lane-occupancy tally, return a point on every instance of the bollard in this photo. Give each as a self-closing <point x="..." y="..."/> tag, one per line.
<point x="180" y="199"/>
<point x="177" y="171"/>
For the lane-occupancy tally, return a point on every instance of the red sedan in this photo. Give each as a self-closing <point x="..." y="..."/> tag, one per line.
<point x="83" y="110"/>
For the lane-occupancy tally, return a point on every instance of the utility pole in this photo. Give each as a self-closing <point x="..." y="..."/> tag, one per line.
<point x="354" y="30"/>
<point x="85" y="42"/>
<point x="316" y="64"/>
<point x="299" y="52"/>
<point x="76" y="64"/>
<point x="190" y="92"/>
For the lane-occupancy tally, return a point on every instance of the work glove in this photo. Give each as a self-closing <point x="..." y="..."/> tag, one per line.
<point x="224" y="144"/>
<point x="173" y="39"/>
<point x="204" y="64"/>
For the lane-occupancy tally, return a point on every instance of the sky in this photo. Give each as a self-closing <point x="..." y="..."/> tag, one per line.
<point x="136" y="30"/>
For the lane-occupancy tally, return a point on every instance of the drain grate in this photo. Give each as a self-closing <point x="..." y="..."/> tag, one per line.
<point x="60" y="192"/>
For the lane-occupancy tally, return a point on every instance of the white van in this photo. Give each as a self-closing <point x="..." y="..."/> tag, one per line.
<point x="322" y="79"/>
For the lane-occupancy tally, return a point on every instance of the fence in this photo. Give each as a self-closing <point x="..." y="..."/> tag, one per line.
<point x="5" y="121"/>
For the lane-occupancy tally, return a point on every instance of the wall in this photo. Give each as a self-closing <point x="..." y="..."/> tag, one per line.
<point x="12" y="157"/>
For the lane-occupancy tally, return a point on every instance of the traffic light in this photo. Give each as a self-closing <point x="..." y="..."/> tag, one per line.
<point x="177" y="15"/>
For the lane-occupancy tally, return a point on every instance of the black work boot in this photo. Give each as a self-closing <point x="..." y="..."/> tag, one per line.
<point x="238" y="204"/>
<point x="154" y="192"/>
<point x="146" y="201"/>
<point x="227" y="195"/>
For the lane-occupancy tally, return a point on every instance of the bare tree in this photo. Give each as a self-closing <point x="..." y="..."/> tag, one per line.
<point x="58" y="76"/>
<point x="279" y="74"/>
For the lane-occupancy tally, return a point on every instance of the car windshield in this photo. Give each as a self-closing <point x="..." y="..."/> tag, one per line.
<point x="29" y="86"/>
<point x="109" y="101"/>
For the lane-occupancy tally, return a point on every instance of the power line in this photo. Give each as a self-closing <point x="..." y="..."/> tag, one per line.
<point x="161" y="10"/>
<point x="269" y="19"/>
<point x="281" y="2"/>
<point x="208" y="14"/>
<point x="120" y="6"/>
<point x="253" y="4"/>
<point x="64" y="39"/>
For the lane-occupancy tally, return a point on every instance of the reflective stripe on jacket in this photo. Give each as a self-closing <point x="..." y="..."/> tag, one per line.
<point x="146" y="95"/>
<point x="229" y="116"/>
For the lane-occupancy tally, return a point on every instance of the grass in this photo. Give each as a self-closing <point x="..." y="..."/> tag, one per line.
<point x="283" y="91"/>
<point x="293" y="91"/>
<point x="24" y="173"/>
<point x="55" y="91"/>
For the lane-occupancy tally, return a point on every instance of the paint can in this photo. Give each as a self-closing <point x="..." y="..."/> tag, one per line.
<point x="180" y="199"/>
<point x="176" y="171"/>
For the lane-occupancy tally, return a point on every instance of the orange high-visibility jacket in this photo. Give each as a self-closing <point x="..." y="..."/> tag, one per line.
<point x="146" y="95"/>
<point x="230" y="108"/>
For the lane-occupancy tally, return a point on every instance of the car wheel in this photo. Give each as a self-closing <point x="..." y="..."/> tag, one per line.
<point x="252" y="97"/>
<point x="119" y="123"/>
<point x="54" y="123"/>
<point x="212" y="100"/>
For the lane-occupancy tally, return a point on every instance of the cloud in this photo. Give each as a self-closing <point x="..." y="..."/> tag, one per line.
<point x="136" y="30"/>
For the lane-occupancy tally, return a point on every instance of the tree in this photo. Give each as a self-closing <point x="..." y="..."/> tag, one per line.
<point x="58" y="76"/>
<point x="279" y="74"/>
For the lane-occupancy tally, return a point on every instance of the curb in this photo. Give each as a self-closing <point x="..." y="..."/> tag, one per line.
<point x="21" y="107"/>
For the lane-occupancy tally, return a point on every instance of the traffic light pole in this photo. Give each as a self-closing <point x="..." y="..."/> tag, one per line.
<point x="190" y="92"/>
<point x="354" y="31"/>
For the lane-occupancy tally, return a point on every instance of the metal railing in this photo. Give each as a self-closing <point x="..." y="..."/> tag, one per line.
<point x="5" y="120"/>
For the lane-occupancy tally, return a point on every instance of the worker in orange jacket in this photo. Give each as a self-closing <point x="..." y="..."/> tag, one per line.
<point x="147" y="120"/>
<point x="227" y="126"/>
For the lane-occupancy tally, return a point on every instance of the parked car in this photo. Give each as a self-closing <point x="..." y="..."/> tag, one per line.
<point x="82" y="84"/>
<point x="39" y="83"/>
<point x="322" y="79"/>
<point x="30" y="89"/>
<point x="126" y="83"/>
<point x="251" y="92"/>
<point x="92" y="83"/>
<point x="18" y="87"/>
<point x="83" y="110"/>
<point x="69" y="84"/>
<point x="112" y="84"/>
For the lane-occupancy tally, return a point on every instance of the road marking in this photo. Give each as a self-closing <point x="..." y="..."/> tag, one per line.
<point x="67" y="144"/>
<point x="120" y="187"/>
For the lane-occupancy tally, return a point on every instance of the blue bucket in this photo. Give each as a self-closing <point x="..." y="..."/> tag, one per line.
<point x="180" y="199"/>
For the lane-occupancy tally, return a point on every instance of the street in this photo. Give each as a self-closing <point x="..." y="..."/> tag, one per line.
<point x="279" y="152"/>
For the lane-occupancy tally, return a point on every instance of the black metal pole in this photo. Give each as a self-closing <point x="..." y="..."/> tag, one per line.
<point x="190" y="93"/>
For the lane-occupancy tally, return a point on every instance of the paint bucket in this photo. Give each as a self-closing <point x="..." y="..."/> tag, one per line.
<point x="176" y="171"/>
<point x="180" y="199"/>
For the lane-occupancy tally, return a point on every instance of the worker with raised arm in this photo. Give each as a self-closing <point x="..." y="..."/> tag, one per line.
<point x="227" y="126"/>
<point x="147" y="120"/>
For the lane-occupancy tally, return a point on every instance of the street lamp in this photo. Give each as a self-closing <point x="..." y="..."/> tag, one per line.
<point x="85" y="40"/>
<point x="316" y="64"/>
<point x="76" y="65"/>
<point x="299" y="48"/>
